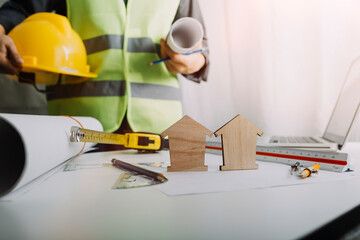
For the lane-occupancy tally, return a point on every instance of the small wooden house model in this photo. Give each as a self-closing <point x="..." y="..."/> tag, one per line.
<point x="187" y="140"/>
<point x="239" y="137"/>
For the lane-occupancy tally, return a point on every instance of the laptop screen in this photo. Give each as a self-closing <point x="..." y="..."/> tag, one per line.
<point x="346" y="107"/>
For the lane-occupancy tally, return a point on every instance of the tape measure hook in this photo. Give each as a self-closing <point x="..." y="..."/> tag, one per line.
<point x="75" y="134"/>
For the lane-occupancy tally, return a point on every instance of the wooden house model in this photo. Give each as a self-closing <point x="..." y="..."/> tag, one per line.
<point x="187" y="140"/>
<point x="239" y="137"/>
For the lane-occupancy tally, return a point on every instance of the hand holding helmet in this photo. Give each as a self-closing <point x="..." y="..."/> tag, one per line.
<point x="48" y="52"/>
<point x="10" y="60"/>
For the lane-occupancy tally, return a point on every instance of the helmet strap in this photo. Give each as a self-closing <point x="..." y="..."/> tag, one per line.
<point x="25" y="77"/>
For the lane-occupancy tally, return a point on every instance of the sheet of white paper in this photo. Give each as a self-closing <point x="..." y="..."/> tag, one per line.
<point x="44" y="142"/>
<point x="182" y="183"/>
<point x="15" y="194"/>
<point x="103" y="159"/>
<point x="267" y="175"/>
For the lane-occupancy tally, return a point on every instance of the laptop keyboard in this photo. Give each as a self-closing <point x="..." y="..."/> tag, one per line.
<point x="277" y="139"/>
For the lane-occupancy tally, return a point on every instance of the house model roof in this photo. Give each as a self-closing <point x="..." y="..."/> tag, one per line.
<point x="186" y="126"/>
<point x="239" y="120"/>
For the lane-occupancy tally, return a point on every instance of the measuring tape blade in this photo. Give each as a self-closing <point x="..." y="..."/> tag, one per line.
<point x="86" y="135"/>
<point x="332" y="161"/>
<point x="141" y="141"/>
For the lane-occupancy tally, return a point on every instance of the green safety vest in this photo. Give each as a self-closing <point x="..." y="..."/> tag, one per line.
<point x="121" y="41"/>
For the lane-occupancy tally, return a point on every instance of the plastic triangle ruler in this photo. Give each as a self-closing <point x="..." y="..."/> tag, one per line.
<point x="332" y="161"/>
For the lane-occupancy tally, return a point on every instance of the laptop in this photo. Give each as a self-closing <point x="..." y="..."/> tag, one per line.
<point x="340" y="123"/>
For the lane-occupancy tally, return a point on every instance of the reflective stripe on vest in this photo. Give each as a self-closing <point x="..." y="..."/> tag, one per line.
<point x="113" y="89"/>
<point x="120" y="42"/>
<point x="105" y="42"/>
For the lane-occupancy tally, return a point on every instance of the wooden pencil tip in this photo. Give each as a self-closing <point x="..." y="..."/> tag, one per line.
<point x="150" y="64"/>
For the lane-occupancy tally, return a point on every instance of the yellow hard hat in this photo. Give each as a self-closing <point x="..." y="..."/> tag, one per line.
<point x="47" y="43"/>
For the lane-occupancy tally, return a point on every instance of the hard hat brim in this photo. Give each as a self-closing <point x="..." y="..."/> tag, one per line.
<point x="73" y="72"/>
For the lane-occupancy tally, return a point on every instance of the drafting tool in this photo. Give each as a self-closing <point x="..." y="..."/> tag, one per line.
<point x="155" y="164"/>
<point x="331" y="161"/>
<point x="131" y="180"/>
<point x="84" y="166"/>
<point x="143" y="141"/>
<point x="74" y="167"/>
<point x="304" y="172"/>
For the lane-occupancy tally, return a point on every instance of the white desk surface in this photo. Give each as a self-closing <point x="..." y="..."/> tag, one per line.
<point x="71" y="205"/>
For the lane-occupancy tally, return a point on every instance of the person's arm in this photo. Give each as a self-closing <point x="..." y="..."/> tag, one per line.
<point x="194" y="67"/>
<point x="11" y="14"/>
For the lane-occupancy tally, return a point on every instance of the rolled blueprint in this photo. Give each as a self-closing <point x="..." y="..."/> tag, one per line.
<point x="185" y="34"/>
<point x="31" y="145"/>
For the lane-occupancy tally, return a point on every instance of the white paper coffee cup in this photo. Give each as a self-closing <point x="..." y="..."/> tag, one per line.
<point x="185" y="34"/>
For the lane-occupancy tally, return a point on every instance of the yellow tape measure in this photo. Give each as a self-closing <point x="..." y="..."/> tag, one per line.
<point x="144" y="141"/>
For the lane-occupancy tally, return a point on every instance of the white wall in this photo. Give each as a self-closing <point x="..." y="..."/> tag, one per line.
<point x="210" y="102"/>
<point x="279" y="63"/>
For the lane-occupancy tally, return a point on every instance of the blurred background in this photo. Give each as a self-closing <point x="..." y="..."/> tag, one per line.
<point x="279" y="63"/>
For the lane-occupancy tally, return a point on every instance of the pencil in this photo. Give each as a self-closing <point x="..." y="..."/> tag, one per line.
<point x="139" y="170"/>
<point x="167" y="59"/>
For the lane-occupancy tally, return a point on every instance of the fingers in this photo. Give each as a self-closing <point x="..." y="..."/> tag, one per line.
<point x="10" y="60"/>
<point x="14" y="55"/>
<point x="167" y="50"/>
<point x="165" y="53"/>
<point x="180" y="63"/>
<point x="171" y="68"/>
<point x="7" y="67"/>
<point x="5" y="64"/>
<point x="175" y="65"/>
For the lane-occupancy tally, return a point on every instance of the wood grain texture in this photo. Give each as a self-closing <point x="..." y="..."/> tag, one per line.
<point x="239" y="137"/>
<point x="187" y="139"/>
